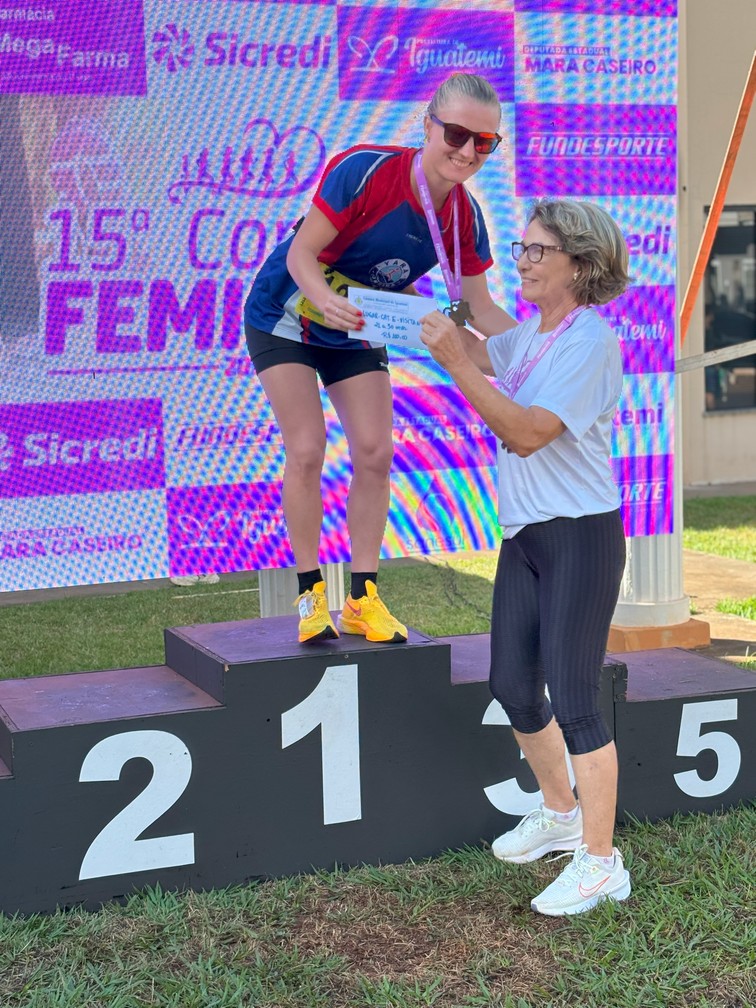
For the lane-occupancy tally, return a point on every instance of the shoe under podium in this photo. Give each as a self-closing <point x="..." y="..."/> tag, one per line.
<point x="247" y="755"/>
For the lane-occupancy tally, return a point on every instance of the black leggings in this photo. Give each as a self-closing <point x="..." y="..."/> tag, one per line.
<point x="554" y="596"/>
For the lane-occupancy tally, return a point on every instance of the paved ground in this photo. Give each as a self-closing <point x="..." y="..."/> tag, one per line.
<point x="709" y="579"/>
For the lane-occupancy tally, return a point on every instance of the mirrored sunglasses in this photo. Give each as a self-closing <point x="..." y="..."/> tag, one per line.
<point x="457" y="136"/>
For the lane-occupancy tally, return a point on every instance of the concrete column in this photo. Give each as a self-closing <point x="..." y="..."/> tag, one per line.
<point x="278" y="589"/>
<point x="652" y="610"/>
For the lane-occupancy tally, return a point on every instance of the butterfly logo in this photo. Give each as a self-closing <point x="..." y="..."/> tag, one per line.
<point x="375" y="57"/>
<point x="209" y="534"/>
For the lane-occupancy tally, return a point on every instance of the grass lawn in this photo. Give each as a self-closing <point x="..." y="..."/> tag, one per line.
<point x="745" y="608"/>
<point x="453" y="932"/>
<point x="724" y="526"/>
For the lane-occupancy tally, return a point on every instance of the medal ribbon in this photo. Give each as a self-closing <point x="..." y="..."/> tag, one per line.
<point x="453" y="281"/>
<point x="523" y="372"/>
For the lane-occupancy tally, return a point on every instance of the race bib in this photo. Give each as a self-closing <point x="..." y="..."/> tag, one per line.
<point x="334" y="279"/>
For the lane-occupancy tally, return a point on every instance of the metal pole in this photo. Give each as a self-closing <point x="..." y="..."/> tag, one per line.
<point x="715" y="211"/>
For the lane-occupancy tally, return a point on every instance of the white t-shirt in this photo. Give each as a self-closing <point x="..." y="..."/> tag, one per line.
<point x="580" y="380"/>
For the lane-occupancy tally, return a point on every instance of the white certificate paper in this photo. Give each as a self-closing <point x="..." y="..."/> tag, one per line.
<point x="390" y="317"/>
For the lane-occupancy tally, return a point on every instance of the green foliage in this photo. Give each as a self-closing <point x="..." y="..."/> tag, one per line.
<point x="745" y="608"/>
<point x="451" y="932"/>
<point x="724" y="526"/>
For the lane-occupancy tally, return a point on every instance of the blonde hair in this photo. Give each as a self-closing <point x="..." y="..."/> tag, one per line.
<point x="588" y="234"/>
<point x="464" y="85"/>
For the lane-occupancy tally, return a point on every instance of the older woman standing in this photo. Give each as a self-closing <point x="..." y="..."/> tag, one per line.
<point x="563" y="548"/>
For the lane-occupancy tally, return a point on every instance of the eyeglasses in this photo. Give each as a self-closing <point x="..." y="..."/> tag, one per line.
<point x="534" y="251"/>
<point x="457" y="136"/>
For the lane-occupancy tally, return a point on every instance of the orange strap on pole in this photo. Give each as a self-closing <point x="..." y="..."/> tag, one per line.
<point x="712" y="221"/>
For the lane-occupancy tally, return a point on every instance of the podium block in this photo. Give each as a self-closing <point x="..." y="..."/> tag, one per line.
<point x="684" y="731"/>
<point x="247" y="755"/>
<point x="346" y="751"/>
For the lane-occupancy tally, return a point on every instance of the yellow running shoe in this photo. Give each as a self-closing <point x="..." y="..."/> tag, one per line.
<point x="315" y="621"/>
<point x="370" y="618"/>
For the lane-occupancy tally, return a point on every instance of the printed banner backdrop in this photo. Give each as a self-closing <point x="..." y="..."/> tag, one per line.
<point x="152" y="154"/>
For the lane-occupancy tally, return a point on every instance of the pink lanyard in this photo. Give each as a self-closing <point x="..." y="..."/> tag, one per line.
<point x="453" y="281"/>
<point x="522" y="372"/>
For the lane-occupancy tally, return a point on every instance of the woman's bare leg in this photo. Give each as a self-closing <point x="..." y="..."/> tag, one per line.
<point x="294" y="396"/>
<point x="364" y="406"/>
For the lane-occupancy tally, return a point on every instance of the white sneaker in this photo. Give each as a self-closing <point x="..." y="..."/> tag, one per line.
<point x="537" y="834"/>
<point x="187" y="580"/>
<point x="585" y="882"/>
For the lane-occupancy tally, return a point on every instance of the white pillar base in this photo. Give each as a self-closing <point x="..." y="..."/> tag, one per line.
<point x="279" y="589"/>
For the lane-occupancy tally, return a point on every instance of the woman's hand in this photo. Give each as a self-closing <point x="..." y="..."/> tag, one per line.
<point x="314" y="234"/>
<point x="340" y="313"/>
<point x="440" y="335"/>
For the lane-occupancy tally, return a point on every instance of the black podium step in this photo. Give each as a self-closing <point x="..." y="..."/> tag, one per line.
<point x="684" y="729"/>
<point x="43" y="702"/>
<point x="249" y="755"/>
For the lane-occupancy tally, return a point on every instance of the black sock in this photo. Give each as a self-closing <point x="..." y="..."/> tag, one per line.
<point x="358" y="589"/>
<point x="308" y="578"/>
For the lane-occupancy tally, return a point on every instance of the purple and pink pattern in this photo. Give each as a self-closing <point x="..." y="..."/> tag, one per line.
<point x="226" y="528"/>
<point x="102" y="446"/>
<point x="650" y="8"/>
<point x="646" y="493"/>
<point x="594" y="150"/>
<point x="435" y="428"/>
<point x="405" y="54"/>
<point x="73" y="47"/>
<point x="644" y="321"/>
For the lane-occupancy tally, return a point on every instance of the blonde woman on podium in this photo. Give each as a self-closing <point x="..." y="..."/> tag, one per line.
<point x="381" y="217"/>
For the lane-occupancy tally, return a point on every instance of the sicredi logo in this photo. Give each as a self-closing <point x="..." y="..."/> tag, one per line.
<point x="173" y="47"/>
<point x="51" y="449"/>
<point x="405" y="54"/>
<point x="175" y="50"/>
<point x="657" y="242"/>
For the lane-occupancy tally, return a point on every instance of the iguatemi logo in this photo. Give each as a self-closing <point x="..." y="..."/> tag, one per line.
<point x="173" y="46"/>
<point x="376" y="58"/>
<point x="417" y="49"/>
<point x="643" y="319"/>
<point x="263" y="162"/>
<point x="175" y="50"/>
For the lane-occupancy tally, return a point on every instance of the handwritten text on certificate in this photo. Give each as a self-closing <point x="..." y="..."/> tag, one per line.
<point x="390" y="317"/>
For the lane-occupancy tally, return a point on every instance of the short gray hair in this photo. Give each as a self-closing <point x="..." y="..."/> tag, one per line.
<point x="464" y="85"/>
<point x="588" y="234"/>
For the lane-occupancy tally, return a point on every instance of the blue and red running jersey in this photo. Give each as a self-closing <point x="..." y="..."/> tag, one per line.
<point x="383" y="241"/>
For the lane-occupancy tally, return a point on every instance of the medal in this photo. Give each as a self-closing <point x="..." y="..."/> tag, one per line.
<point x="459" y="312"/>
